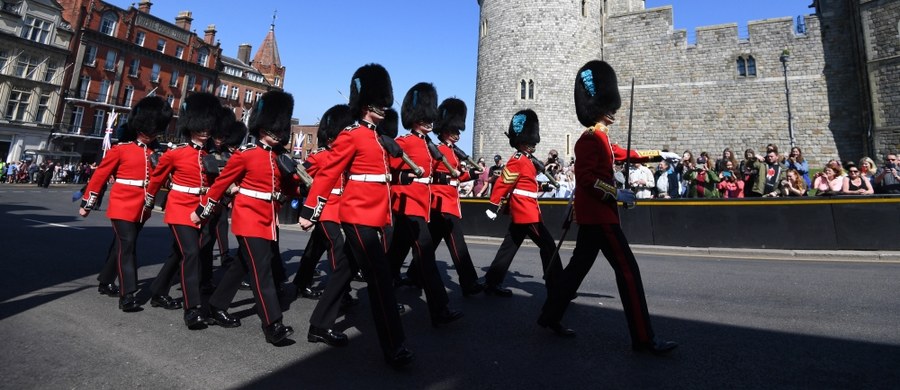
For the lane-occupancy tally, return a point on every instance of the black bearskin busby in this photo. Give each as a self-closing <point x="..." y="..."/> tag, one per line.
<point x="223" y="123"/>
<point x="524" y="129"/>
<point x="199" y="112"/>
<point x="419" y="105"/>
<point x="370" y="85"/>
<point x="451" y="116"/>
<point x="272" y="114"/>
<point x="596" y="92"/>
<point x="332" y="123"/>
<point x="150" y="116"/>
<point x="390" y="125"/>
<point x="237" y="133"/>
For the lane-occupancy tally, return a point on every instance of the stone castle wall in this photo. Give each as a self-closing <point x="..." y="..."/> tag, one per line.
<point x="881" y="33"/>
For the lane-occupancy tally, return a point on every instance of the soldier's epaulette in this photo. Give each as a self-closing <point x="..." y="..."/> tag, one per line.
<point x="518" y="155"/>
<point x="598" y="127"/>
<point x="351" y="127"/>
<point x="179" y="146"/>
<point x="406" y="135"/>
<point x="247" y="147"/>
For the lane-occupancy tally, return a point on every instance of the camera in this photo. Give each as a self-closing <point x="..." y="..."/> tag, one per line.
<point x="727" y="174"/>
<point x="890" y="166"/>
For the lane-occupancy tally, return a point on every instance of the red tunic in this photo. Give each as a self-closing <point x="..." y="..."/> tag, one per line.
<point x="446" y="196"/>
<point x="315" y="162"/>
<point x="129" y="161"/>
<point x="253" y="168"/>
<point x="595" y="191"/>
<point x="518" y="181"/>
<point x="413" y="199"/>
<point x="184" y="163"/>
<point x="358" y="152"/>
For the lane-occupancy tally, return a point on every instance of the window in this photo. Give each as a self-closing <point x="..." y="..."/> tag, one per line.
<point x="742" y="67"/>
<point x="110" y="62"/>
<point x="99" y="122"/>
<point x="277" y="81"/>
<point x="90" y="55"/>
<point x="43" y="107"/>
<point x="205" y="85"/>
<point x="584" y="11"/>
<point x="234" y="93"/>
<point x="173" y="82"/>
<point x="526" y="89"/>
<point x="103" y="94"/>
<point x="25" y="66"/>
<point x="161" y="45"/>
<point x="83" y="84"/>
<point x="129" y="96"/>
<point x="223" y="91"/>
<point x="17" y="105"/>
<point x="171" y="100"/>
<point x="50" y="74"/>
<point x="746" y="66"/>
<point x="36" y="29"/>
<point x="523" y="86"/>
<point x="258" y="96"/>
<point x="484" y="26"/>
<point x="4" y="60"/>
<point x="190" y="80"/>
<point x="248" y="96"/>
<point x="751" y="66"/>
<point x="135" y="68"/>
<point x="179" y="51"/>
<point x="154" y="74"/>
<point x="139" y="39"/>
<point x="202" y="56"/>
<point x="108" y="23"/>
<point x="531" y="89"/>
<point x="77" y="117"/>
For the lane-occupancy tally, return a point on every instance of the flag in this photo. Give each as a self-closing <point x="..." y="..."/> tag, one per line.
<point x="107" y="136"/>
<point x="298" y="144"/>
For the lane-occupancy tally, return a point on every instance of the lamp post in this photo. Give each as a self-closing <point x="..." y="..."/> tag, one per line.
<point x="784" y="58"/>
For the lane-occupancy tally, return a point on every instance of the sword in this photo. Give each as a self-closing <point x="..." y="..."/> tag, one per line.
<point x="567" y="224"/>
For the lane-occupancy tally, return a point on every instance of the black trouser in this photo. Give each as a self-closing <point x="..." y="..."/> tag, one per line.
<point x="448" y="227"/>
<point x="207" y="244"/>
<point x="326" y="311"/>
<point x="121" y="261"/>
<point x="368" y="248"/>
<point x="256" y="258"/>
<point x="316" y="246"/>
<point x="612" y="242"/>
<point x="185" y="259"/>
<point x="539" y="234"/>
<point x="412" y="232"/>
<point x="219" y="229"/>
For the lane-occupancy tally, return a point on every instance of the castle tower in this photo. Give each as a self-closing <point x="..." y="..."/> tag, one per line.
<point x="518" y="68"/>
<point x="268" y="60"/>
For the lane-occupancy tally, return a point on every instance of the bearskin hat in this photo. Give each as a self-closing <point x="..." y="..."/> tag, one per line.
<point x="237" y="132"/>
<point x="370" y="85"/>
<point x="332" y="123"/>
<point x="272" y="113"/>
<point x="223" y="123"/>
<point x="150" y="116"/>
<point x="524" y="129"/>
<point x="199" y="112"/>
<point x="419" y="105"/>
<point x="389" y="125"/>
<point x="596" y="92"/>
<point x="451" y="116"/>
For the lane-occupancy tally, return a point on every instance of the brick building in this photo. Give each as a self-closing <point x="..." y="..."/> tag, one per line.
<point x="118" y="57"/>
<point x="34" y="43"/>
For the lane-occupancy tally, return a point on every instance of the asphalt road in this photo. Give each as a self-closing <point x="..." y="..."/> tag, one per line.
<point x="741" y="323"/>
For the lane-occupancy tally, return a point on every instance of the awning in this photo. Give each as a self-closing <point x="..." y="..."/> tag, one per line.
<point x="51" y="153"/>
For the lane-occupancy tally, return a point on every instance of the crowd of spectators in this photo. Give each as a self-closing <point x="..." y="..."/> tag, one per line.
<point x="45" y="173"/>
<point x="771" y="174"/>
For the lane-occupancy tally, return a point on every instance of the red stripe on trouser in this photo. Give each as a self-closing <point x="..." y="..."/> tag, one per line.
<point x="634" y="304"/>
<point x="119" y="261"/>
<point x="184" y="288"/>
<point x="262" y="302"/>
<point x="374" y="282"/>
<point x="330" y="247"/>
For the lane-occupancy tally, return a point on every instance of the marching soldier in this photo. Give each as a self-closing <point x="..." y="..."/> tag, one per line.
<point x="183" y="165"/>
<point x="411" y="201"/>
<point x="365" y="203"/>
<point x="263" y="186"/>
<point x="518" y="187"/>
<point x="596" y="102"/>
<point x="446" y="216"/>
<point x="131" y="164"/>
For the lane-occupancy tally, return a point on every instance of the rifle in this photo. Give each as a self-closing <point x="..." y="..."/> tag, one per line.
<point x="465" y="157"/>
<point x="394" y="149"/>
<point x="437" y="155"/>
<point x="539" y="166"/>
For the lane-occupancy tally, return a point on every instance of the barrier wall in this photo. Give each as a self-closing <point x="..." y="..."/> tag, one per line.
<point x="837" y="223"/>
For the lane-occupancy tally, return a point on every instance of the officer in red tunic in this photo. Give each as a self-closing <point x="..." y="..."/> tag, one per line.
<point x="255" y="213"/>
<point x="365" y="202"/>
<point x="411" y="201"/>
<point x="518" y="186"/>
<point x="446" y="223"/>
<point x="131" y="164"/>
<point x="183" y="166"/>
<point x="596" y="212"/>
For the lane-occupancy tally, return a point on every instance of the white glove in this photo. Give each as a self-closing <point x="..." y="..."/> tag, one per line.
<point x="670" y="155"/>
<point x="492" y="215"/>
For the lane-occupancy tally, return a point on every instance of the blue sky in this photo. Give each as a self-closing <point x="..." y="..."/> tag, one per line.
<point x="323" y="42"/>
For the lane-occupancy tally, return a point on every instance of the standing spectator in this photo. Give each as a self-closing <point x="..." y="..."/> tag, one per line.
<point x="774" y="172"/>
<point x="749" y="171"/>
<point x="854" y="183"/>
<point x="667" y="183"/>
<point x="702" y="181"/>
<point x="493" y="173"/>
<point x="641" y="181"/>
<point x="793" y="185"/>
<point x="887" y="180"/>
<point x="730" y="186"/>
<point x="827" y="182"/>
<point x="867" y="170"/>
<point x="481" y="180"/>
<point x="727" y="155"/>
<point x="684" y="166"/>
<point x="796" y="161"/>
<point x="553" y="165"/>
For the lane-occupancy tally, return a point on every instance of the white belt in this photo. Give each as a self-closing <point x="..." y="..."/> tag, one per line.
<point x="371" y="178"/>
<point x="454" y="183"/>
<point x="136" y="183"/>
<point x="336" y="191"/>
<point x="525" y="193"/>
<point x="256" y="194"/>
<point x="189" y="190"/>
<point x="423" y="180"/>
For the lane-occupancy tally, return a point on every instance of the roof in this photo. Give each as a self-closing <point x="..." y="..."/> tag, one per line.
<point x="268" y="51"/>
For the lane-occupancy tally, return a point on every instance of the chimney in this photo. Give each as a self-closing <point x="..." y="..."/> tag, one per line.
<point x="210" y="36"/>
<point x="184" y="20"/>
<point x="244" y="52"/>
<point x="144" y="6"/>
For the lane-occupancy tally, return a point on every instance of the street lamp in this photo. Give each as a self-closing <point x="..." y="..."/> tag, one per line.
<point x="784" y="58"/>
